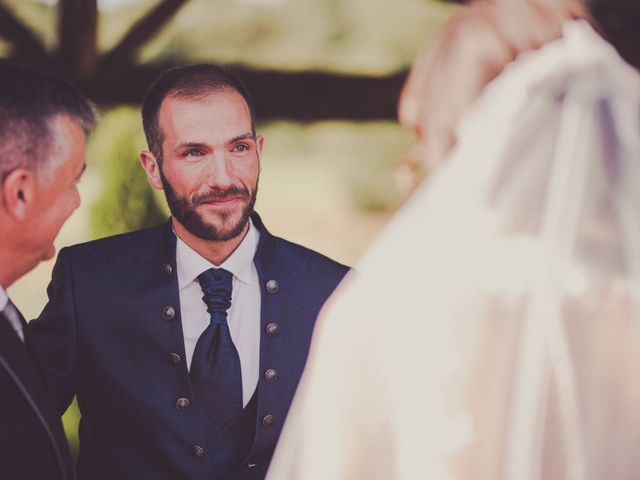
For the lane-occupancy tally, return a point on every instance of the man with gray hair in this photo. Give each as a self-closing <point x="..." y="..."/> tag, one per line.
<point x="43" y="124"/>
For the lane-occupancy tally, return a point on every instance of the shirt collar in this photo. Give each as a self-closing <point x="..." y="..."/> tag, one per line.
<point x="4" y="298"/>
<point x="190" y="264"/>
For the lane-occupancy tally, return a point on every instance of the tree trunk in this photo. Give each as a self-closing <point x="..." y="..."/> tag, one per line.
<point x="77" y="26"/>
<point x="25" y="43"/>
<point x="115" y="79"/>
<point x="141" y="32"/>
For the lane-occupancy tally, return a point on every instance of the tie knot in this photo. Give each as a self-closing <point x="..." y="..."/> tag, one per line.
<point x="216" y="284"/>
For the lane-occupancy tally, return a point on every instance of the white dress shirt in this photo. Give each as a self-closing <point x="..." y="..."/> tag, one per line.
<point x="11" y="313"/>
<point x="243" y="316"/>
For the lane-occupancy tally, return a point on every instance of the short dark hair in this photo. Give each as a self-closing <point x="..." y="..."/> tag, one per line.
<point x="187" y="81"/>
<point x="29" y="100"/>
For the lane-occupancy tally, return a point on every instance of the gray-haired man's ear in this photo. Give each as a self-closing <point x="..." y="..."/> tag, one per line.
<point x="17" y="192"/>
<point x="152" y="169"/>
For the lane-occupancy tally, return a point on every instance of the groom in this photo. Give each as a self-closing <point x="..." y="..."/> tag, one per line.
<point x="184" y="343"/>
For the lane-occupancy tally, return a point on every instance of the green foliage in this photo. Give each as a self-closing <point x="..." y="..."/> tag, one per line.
<point x="70" y="422"/>
<point x="336" y="162"/>
<point x="370" y="179"/>
<point x="38" y="16"/>
<point x="350" y="36"/>
<point x="127" y="201"/>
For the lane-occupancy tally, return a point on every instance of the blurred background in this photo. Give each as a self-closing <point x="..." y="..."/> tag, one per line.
<point x="325" y="76"/>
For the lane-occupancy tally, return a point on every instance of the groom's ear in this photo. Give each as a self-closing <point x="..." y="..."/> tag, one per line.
<point x="152" y="169"/>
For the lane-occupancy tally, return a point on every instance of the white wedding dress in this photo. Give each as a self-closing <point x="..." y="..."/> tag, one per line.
<point x="493" y="330"/>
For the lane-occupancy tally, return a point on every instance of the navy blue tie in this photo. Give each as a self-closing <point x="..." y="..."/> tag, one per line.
<point x="215" y="367"/>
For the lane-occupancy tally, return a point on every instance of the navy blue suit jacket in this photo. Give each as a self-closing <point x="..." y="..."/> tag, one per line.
<point x="32" y="443"/>
<point x="112" y="334"/>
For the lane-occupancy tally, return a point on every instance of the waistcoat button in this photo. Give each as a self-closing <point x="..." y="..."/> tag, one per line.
<point x="197" y="451"/>
<point x="272" y="286"/>
<point x="268" y="420"/>
<point x="272" y="329"/>
<point x="174" y="359"/>
<point x="182" y="404"/>
<point x="168" y="312"/>
<point x="270" y="375"/>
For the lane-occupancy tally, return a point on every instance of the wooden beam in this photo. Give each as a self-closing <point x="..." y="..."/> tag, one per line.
<point x="142" y="31"/>
<point x="77" y="25"/>
<point x="299" y="96"/>
<point x="25" y="42"/>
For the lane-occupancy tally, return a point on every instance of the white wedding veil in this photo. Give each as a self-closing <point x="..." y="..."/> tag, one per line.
<point x="493" y="330"/>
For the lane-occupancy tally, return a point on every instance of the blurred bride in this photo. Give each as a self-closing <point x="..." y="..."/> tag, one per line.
<point x="493" y="330"/>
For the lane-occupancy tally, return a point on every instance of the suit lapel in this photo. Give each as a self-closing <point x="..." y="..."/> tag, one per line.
<point x="265" y="253"/>
<point x="22" y="368"/>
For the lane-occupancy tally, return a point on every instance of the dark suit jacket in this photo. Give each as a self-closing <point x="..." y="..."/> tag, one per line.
<point x="32" y="443"/>
<point x="112" y="334"/>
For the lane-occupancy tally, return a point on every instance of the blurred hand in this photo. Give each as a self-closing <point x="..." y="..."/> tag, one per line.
<point x="469" y="51"/>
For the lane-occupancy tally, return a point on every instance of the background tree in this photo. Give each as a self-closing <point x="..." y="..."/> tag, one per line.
<point x="114" y="75"/>
<point x="126" y="202"/>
